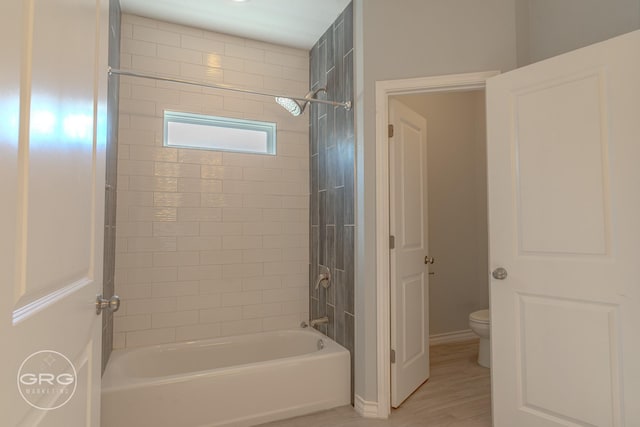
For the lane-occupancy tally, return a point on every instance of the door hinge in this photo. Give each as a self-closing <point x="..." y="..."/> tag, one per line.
<point x="393" y="356"/>
<point x="390" y="131"/>
<point x="392" y="242"/>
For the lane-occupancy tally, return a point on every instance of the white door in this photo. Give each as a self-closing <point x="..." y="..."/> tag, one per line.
<point x="409" y="274"/>
<point x="52" y="142"/>
<point x="564" y="197"/>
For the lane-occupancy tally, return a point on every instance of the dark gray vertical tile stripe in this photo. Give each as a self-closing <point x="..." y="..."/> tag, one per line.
<point x="332" y="152"/>
<point x="113" y="90"/>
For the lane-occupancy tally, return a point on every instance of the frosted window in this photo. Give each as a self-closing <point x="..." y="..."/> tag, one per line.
<point x="218" y="133"/>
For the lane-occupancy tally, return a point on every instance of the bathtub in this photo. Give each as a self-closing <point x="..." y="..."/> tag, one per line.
<point x="239" y="381"/>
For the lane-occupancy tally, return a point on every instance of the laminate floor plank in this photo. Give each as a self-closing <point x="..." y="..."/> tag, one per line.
<point x="458" y="394"/>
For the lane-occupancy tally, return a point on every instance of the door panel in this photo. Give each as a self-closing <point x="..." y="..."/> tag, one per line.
<point x="563" y="206"/>
<point x="51" y="220"/>
<point x="409" y="278"/>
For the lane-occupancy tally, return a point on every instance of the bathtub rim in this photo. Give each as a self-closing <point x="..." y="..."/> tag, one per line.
<point x="117" y="381"/>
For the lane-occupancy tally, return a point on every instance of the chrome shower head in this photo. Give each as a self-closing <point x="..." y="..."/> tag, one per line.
<point x="293" y="106"/>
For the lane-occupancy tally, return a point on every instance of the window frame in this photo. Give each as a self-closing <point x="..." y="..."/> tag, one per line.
<point x="269" y="128"/>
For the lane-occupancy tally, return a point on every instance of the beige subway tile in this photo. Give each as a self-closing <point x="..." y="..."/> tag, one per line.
<point x="165" y="259"/>
<point x="241" y="214"/>
<point x="135" y="167"/>
<point x="214" y="60"/>
<point x="132" y="291"/>
<point x="241" y="298"/>
<point x="286" y="163"/>
<point x="183" y="170"/>
<point x="286" y="188"/>
<point x="134" y="106"/>
<point x="155" y="35"/>
<point x="201" y="72"/>
<point x="294" y="254"/>
<point x="181" y="29"/>
<point x="159" y="154"/>
<point x="134" y="198"/>
<point x="282" y="295"/>
<point x="119" y="340"/>
<point x="133" y="260"/>
<point x="202" y="45"/>
<point x="152" y="183"/>
<point x="300" y="307"/>
<point x="261" y="201"/>
<point x="300" y="280"/>
<point x="176" y="199"/>
<point x="262" y="228"/>
<point x="221" y="229"/>
<point x="261" y="255"/>
<point x="296" y="202"/>
<point x="172" y="320"/>
<point x="199" y="243"/>
<point x="285" y="241"/>
<point x="174" y="289"/>
<point x="203" y="157"/>
<point x="197" y="332"/>
<point x="244" y="160"/>
<point x="150" y="337"/>
<point x="239" y="327"/>
<point x="133" y="229"/>
<point x="197" y="302"/>
<point x="242" y="187"/>
<point x="199" y="272"/>
<point x="261" y="310"/>
<point x="215" y="315"/>
<point x="132" y="323"/>
<point x="196" y="185"/>
<point x="220" y="285"/>
<point x="241" y="242"/>
<point x="262" y="68"/>
<point x="180" y="54"/>
<point x="156" y="94"/>
<point x="162" y="229"/>
<point x="290" y="267"/>
<point x="221" y="257"/>
<point x="260" y="283"/>
<point x="151" y="305"/>
<point x="137" y="47"/>
<point x="141" y="213"/>
<point x="242" y="270"/>
<point x="135" y="137"/>
<point x="277" y="323"/>
<point x="147" y="63"/>
<point x="218" y="200"/>
<point x="151" y="244"/>
<point x="221" y="172"/>
<point x="262" y="174"/>
<point x="287" y="60"/>
<point x="152" y="274"/>
<point x="238" y="51"/>
<point x="199" y="214"/>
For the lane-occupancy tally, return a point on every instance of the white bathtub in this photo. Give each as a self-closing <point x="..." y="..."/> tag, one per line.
<point x="240" y="381"/>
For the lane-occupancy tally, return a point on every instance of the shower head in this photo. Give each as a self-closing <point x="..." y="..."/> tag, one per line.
<point x="293" y="106"/>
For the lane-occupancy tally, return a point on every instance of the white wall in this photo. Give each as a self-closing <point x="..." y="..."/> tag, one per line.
<point x="396" y="40"/>
<point x="550" y="27"/>
<point x="208" y="243"/>
<point x="457" y="220"/>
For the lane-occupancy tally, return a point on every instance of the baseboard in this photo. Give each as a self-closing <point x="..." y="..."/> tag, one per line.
<point x="455" y="336"/>
<point x="364" y="408"/>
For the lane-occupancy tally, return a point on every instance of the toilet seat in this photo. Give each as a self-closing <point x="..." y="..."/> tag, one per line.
<point x="480" y="316"/>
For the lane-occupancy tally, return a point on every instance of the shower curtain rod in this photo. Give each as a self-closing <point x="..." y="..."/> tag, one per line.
<point x="112" y="71"/>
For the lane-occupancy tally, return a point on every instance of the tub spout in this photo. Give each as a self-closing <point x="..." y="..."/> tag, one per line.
<point x="320" y="321"/>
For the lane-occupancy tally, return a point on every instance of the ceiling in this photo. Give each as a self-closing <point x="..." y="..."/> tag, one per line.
<point x="295" y="23"/>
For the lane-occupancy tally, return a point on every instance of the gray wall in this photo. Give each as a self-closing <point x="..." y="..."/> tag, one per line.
<point x="396" y="40"/>
<point x="113" y="92"/>
<point x="550" y="27"/>
<point x="457" y="219"/>
<point x="332" y="222"/>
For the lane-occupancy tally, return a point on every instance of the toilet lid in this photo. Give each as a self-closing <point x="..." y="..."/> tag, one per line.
<point x="480" y="316"/>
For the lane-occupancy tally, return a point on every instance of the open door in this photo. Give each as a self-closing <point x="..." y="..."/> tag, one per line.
<point x="409" y="274"/>
<point x="564" y="220"/>
<point x="52" y="141"/>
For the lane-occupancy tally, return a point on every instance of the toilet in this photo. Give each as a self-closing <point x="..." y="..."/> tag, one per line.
<point x="479" y="324"/>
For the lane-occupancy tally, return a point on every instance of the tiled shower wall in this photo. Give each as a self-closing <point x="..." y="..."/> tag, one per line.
<point x="209" y="243"/>
<point x="113" y="92"/>
<point x="332" y="182"/>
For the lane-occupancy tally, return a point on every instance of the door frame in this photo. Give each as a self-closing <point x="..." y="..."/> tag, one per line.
<point x="384" y="90"/>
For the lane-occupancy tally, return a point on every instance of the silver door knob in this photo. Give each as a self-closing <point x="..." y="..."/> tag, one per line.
<point x="499" y="273"/>
<point x="429" y="260"/>
<point x="112" y="304"/>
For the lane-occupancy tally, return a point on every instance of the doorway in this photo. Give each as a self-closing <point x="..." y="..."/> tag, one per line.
<point x="384" y="91"/>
